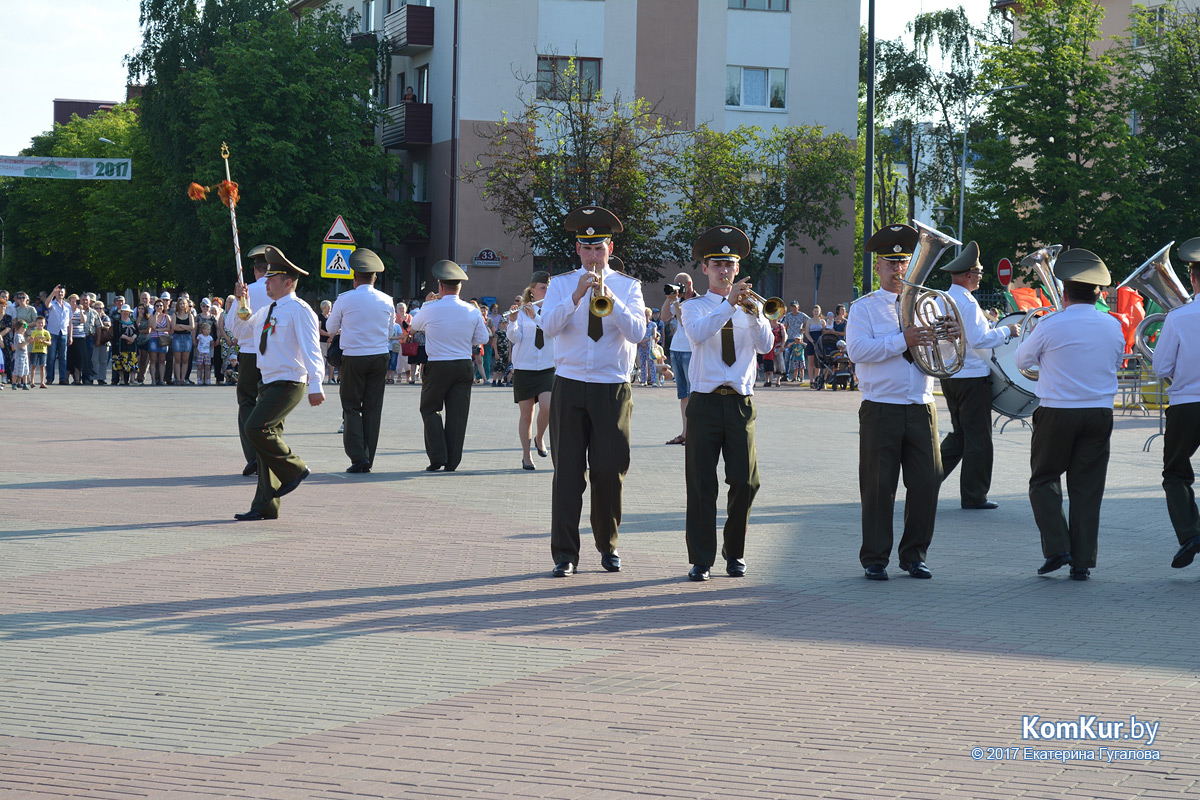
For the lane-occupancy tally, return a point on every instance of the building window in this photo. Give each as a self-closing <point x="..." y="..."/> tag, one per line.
<point x="1156" y="17"/>
<point x="760" y="5"/>
<point x="368" y="15"/>
<point x="420" y="181"/>
<point x="422" y="87"/>
<point x="557" y="78"/>
<point x="755" y="87"/>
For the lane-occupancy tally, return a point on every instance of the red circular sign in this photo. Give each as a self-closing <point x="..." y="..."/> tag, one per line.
<point x="1004" y="271"/>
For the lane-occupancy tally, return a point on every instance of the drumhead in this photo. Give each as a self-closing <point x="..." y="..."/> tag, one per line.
<point x="1013" y="394"/>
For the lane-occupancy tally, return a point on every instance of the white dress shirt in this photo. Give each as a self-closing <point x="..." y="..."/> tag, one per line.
<point x="453" y="328"/>
<point x="875" y="343"/>
<point x="258" y="300"/>
<point x="522" y="333"/>
<point x="293" y="344"/>
<point x="978" y="333"/>
<point x="576" y="356"/>
<point x="364" y="317"/>
<point x="1076" y="351"/>
<point x="703" y="317"/>
<point x="1177" y="353"/>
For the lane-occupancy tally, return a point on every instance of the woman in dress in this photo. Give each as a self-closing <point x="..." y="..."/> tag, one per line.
<point x="816" y="326"/>
<point x="160" y="338"/>
<point x="839" y="318"/>
<point x="125" y="351"/>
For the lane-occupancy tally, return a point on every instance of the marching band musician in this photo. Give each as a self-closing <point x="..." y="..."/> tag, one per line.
<point x="533" y="367"/>
<point x="453" y="329"/>
<point x="1176" y="357"/>
<point x="1076" y="351"/>
<point x="288" y="354"/>
<point x="364" y="317"/>
<point x="897" y="418"/>
<point x="720" y="413"/>
<point x="592" y="401"/>
<point x="248" y="374"/>
<point x="968" y="393"/>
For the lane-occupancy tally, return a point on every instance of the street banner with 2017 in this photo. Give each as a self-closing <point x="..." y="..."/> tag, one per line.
<point x="71" y="169"/>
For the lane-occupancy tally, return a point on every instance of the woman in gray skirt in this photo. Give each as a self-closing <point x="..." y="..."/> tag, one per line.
<point x="532" y="354"/>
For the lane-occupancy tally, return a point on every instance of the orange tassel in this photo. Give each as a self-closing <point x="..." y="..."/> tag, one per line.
<point x="228" y="190"/>
<point x="197" y="192"/>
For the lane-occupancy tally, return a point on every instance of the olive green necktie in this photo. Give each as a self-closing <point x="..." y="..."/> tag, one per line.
<point x="595" y="327"/>
<point x="728" y="355"/>
<point x="262" y="340"/>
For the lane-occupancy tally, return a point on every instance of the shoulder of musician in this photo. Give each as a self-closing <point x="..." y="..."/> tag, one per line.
<point x="865" y="296"/>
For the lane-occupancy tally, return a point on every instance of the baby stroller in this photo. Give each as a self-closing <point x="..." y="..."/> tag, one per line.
<point x="833" y="364"/>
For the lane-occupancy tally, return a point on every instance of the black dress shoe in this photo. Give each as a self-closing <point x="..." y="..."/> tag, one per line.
<point x="698" y="573"/>
<point x="734" y="567"/>
<point x="1079" y="573"/>
<point x="876" y="572"/>
<point x="541" y="452"/>
<point x="251" y="468"/>
<point x="360" y="466"/>
<point x="1187" y="553"/>
<point x="917" y="569"/>
<point x="434" y="467"/>
<point x="1056" y="561"/>
<point x="527" y="465"/>
<point x="251" y="516"/>
<point x="611" y="561"/>
<point x="563" y="569"/>
<point x="291" y="485"/>
<point x="985" y="505"/>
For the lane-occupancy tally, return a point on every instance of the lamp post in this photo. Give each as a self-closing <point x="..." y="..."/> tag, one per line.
<point x="962" y="187"/>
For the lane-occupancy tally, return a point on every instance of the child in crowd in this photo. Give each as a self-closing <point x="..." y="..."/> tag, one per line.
<point x="38" y="341"/>
<point x="20" y="367"/>
<point x="796" y="358"/>
<point x="204" y="349"/>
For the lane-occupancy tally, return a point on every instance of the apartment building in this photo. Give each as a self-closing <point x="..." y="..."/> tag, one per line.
<point x="458" y="65"/>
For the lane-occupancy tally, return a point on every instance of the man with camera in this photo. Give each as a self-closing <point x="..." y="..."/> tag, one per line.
<point x="681" y="349"/>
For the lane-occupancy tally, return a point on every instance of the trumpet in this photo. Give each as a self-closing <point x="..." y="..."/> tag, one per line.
<point x="600" y="305"/>
<point x="772" y="308"/>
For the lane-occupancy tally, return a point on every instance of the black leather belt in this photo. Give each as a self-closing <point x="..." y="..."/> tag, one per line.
<point x="726" y="390"/>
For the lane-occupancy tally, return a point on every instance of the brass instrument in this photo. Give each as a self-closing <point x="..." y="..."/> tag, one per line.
<point x="600" y="305"/>
<point x="1157" y="280"/>
<point x="771" y="308"/>
<point x="932" y="308"/>
<point x="1042" y="263"/>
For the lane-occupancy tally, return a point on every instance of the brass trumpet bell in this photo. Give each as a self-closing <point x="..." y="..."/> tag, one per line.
<point x="771" y="308"/>
<point x="600" y="305"/>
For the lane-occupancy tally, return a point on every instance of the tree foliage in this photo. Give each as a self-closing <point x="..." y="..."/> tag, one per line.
<point x="553" y="155"/>
<point x="293" y="100"/>
<point x="1064" y="167"/>
<point x="86" y="234"/>
<point x="786" y="186"/>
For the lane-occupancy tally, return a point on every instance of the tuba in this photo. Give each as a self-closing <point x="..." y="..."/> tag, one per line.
<point x="923" y="306"/>
<point x="1042" y="263"/>
<point x="1157" y="280"/>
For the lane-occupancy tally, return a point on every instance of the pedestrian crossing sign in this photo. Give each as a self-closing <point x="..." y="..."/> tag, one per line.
<point x="335" y="260"/>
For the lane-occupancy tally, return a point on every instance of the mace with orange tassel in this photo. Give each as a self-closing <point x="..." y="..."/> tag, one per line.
<point x="228" y="192"/>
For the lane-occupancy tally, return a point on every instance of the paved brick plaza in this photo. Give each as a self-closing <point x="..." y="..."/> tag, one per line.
<point x="396" y="634"/>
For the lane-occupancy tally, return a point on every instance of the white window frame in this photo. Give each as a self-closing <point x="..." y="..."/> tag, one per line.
<point x="771" y="73"/>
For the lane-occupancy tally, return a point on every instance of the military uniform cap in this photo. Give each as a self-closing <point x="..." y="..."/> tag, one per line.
<point x="278" y="264"/>
<point x="364" y="261"/>
<point x="1082" y="266"/>
<point x="592" y="224"/>
<point x="446" y="270"/>
<point x="258" y="251"/>
<point x="723" y="242"/>
<point x="1189" y="251"/>
<point x="965" y="261"/>
<point x="894" y="243"/>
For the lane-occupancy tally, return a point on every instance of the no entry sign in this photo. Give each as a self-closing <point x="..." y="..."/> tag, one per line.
<point x="1004" y="271"/>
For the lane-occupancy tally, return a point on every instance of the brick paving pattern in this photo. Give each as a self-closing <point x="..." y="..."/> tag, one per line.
<point x="396" y="635"/>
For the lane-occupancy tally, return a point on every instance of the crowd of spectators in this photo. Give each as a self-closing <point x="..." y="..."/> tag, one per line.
<point x="76" y="339"/>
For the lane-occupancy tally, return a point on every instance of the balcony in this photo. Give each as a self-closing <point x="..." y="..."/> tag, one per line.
<point x="409" y="29"/>
<point x="424" y="214"/>
<point x="408" y="125"/>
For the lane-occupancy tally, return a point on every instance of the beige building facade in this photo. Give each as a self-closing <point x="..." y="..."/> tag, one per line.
<point x="460" y="65"/>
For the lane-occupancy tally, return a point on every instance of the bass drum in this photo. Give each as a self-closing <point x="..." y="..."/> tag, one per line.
<point x="1013" y="395"/>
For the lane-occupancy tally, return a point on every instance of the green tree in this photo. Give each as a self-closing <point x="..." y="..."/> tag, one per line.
<point x="573" y="146"/>
<point x="1064" y="166"/>
<point x="1161" y="66"/>
<point x="92" y="235"/>
<point x="782" y="187"/>
<point x="294" y="100"/>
